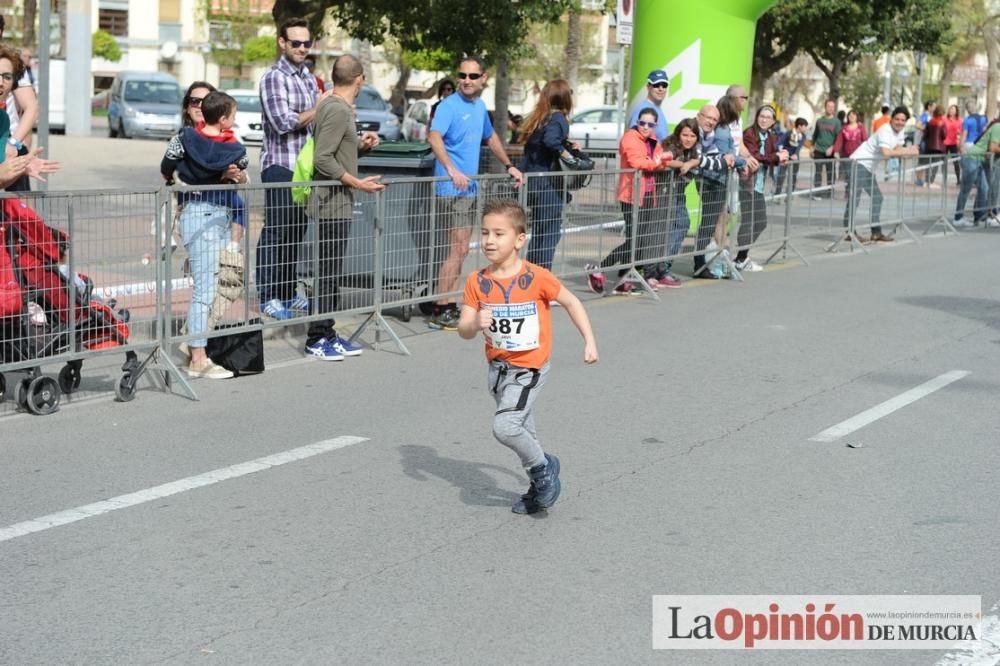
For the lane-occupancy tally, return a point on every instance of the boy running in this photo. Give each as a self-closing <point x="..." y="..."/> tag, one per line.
<point x="508" y="302"/>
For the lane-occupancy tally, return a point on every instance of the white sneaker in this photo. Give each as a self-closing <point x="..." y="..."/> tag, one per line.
<point x="962" y="224"/>
<point x="208" y="370"/>
<point x="748" y="266"/>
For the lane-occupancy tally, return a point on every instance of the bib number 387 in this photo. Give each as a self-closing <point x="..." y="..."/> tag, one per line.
<point x="514" y="327"/>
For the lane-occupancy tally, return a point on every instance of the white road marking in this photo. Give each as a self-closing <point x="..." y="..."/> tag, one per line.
<point x="888" y="407"/>
<point x="174" y="487"/>
<point x="984" y="652"/>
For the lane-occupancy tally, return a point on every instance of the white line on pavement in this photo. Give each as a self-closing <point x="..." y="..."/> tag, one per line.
<point x="888" y="407"/>
<point x="174" y="487"/>
<point x="983" y="652"/>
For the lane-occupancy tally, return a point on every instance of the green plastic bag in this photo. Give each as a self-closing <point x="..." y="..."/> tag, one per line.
<point x="303" y="173"/>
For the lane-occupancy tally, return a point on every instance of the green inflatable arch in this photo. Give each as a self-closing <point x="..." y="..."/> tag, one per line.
<point x="703" y="47"/>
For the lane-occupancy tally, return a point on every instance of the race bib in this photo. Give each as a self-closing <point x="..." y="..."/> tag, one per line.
<point x="514" y="327"/>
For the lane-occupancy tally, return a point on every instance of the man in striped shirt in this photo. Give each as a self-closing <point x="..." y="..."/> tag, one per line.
<point x="289" y="97"/>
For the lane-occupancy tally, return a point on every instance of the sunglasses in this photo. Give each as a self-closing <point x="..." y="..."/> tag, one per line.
<point x="472" y="76"/>
<point x="297" y="43"/>
<point x="643" y="123"/>
<point x="662" y="86"/>
<point x="193" y="101"/>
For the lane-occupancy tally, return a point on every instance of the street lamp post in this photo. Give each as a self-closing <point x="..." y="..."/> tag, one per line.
<point x="902" y="74"/>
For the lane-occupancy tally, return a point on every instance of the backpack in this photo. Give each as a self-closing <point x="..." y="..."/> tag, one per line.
<point x="303" y="173"/>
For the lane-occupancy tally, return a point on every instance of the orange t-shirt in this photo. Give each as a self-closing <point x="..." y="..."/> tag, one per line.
<point x="521" y="333"/>
<point x="878" y="122"/>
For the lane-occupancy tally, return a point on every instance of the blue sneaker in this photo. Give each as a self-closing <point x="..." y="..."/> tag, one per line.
<point x="298" y="304"/>
<point x="528" y="504"/>
<point x="545" y="479"/>
<point x="276" y="310"/>
<point x="324" y="351"/>
<point x="345" y="347"/>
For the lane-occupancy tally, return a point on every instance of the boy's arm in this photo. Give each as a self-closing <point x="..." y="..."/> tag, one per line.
<point x="471" y="322"/>
<point x="574" y="308"/>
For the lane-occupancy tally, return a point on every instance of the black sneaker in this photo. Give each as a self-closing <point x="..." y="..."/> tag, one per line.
<point x="446" y="320"/>
<point x="545" y="480"/>
<point x="527" y="504"/>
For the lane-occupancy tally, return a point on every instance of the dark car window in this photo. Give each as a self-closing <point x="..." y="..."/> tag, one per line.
<point x="152" y="92"/>
<point x="247" y="103"/>
<point x="369" y="99"/>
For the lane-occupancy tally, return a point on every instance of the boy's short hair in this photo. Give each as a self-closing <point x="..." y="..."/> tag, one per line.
<point x="801" y="122"/>
<point x="511" y="209"/>
<point x="901" y="109"/>
<point x="216" y="105"/>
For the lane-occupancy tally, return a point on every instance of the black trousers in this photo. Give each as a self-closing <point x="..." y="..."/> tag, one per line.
<point x="753" y="220"/>
<point x="643" y="222"/>
<point x="331" y="241"/>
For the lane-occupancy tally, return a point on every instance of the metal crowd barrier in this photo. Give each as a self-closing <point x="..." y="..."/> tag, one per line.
<point x="121" y="257"/>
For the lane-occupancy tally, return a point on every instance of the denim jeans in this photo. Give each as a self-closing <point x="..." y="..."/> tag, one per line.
<point x="680" y="222"/>
<point x="863" y="179"/>
<point x="278" y="246"/>
<point x="973" y="175"/>
<point x="204" y="228"/>
<point x="546" y="205"/>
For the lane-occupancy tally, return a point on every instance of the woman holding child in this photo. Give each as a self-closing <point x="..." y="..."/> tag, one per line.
<point x="206" y="152"/>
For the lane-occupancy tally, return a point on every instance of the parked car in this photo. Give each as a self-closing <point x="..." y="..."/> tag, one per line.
<point x="146" y="104"/>
<point x="249" y="124"/>
<point x="374" y="115"/>
<point x="415" y="120"/>
<point x="597" y="128"/>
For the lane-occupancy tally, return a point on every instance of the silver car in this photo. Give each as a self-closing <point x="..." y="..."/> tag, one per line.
<point x="374" y="115"/>
<point x="144" y="104"/>
<point x="597" y="128"/>
<point x="248" y="127"/>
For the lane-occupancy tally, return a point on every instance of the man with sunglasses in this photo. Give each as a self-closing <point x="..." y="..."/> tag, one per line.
<point x="460" y="126"/>
<point x="656" y="92"/>
<point x="289" y="97"/>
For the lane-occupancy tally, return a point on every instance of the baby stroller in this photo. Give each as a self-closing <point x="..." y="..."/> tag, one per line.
<point x="36" y="316"/>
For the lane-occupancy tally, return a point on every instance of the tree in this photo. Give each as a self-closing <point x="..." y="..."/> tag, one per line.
<point x="773" y="51"/>
<point x="28" y="29"/>
<point x="838" y="32"/>
<point x="548" y="59"/>
<point x="103" y="45"/>
<point x="574" y="33"/>
<point x="965" y="37"/>
<point x="863" y="87"/>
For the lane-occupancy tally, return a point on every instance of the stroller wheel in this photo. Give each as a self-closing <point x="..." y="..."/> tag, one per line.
<point x="69" y="377"/>
<point x="3" y="387"/>
<point x="43" y="396"/>
<point x="125" y="388"/>
<point x="21" y="393"/>
<point x="406" y="313"/>
<point x="124" y="315"/>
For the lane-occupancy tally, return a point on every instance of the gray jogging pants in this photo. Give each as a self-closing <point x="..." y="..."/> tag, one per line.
<point x="515" y="390"/>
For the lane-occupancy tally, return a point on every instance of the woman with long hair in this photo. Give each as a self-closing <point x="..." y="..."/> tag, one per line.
<point x="640" y="151"/>
<point x="191" y="104"/>
<point x="952" y="136"/>
<point x="934" y="136"/>
<point x="762" y="142"/>
<point x="547" y="128"/>
<point x="682" y="145"/>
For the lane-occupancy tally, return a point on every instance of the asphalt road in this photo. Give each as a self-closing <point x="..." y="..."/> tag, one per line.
<point x="687" y="469"/>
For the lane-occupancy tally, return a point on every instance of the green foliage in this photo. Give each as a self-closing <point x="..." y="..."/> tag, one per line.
<point x="547" y="58"/>
<point x="103" y="45"/>
<point x="863" y="88"/>
<point x="836" y="33"/>
<point x="260" y="49"/>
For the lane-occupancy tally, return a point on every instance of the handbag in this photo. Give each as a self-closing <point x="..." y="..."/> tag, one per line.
<point x="578" y="167"/>
<point x="242" y="352"/>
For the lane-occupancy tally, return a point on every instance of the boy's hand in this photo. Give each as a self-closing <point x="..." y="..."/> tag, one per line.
<point x="485" y="319"/>
<point x="590" y="355"/>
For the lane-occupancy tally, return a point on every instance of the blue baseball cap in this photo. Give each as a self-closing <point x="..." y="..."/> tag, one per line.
<point x="657" y="76"/>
